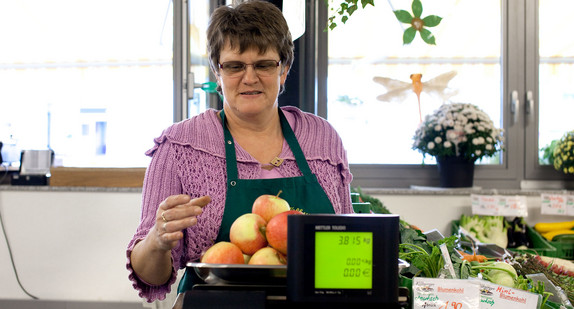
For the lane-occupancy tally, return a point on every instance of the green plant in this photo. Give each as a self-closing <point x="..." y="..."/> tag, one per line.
<point x="346" y="8"/>
<point x="547" y="153"/>
<point x="564" y="154"/>
<point x="458" y="129"/>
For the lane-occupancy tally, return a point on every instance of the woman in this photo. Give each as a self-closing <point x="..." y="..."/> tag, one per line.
<point x="206" y="171"/>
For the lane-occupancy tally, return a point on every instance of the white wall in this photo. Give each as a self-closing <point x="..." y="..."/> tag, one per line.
<point x="71" y="245"/>
<point x="68" y="245"/>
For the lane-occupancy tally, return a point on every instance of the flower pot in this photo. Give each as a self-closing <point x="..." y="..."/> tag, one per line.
<point x="455" y="172"/>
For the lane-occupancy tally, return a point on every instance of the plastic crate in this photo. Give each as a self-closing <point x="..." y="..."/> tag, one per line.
<point x="362" y="208"/>
<point x="540" y="246"/>
<point x="565" y="245"/>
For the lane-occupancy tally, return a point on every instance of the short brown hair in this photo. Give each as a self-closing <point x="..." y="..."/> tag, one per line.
<point x="251" y="24"/>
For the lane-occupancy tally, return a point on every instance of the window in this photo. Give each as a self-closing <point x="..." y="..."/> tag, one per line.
<point x="92" y="80"/>
<point x="548" y="81"/>
<point x="97" y="87"/>
<point x="370" y="45"/>
<point x="487" y="45"/>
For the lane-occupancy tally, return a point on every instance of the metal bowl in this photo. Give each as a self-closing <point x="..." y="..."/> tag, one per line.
<point x="240" y="273"/>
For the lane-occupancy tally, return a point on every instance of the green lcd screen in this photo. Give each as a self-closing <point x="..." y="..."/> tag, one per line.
<point x="343" y="260"/>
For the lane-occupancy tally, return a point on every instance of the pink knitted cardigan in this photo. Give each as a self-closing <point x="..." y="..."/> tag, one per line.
<point x="189" y="158"/>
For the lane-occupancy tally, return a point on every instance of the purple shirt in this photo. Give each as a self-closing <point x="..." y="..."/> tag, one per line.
<point x="189" y="158"/>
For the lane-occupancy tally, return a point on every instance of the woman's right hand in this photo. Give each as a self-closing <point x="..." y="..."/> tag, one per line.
<point x="174" y="214"/>
<point x="151" y="257"/>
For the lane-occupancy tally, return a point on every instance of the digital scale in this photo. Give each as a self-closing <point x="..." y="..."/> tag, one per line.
<point x="334" y="260"/>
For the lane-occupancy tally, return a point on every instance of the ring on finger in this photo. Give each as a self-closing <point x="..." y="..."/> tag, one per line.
<point x="163" y="217"/>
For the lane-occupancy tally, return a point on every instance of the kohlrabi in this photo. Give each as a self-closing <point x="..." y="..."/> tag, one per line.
<point x="497" y="272"/>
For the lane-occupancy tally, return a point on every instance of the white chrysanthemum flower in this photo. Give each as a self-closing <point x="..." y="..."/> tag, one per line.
<point x="457" y="125"/>
<point x="469" y="129"/>
<point x="451" y="135"/>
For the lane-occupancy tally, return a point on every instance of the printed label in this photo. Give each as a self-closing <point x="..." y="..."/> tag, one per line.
<point x="499" y="205"/>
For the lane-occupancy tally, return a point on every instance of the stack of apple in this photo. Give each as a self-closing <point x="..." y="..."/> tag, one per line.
<point x="256" y="238"/>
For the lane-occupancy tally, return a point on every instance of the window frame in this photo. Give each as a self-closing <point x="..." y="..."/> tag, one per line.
<point x="519" y="69"/>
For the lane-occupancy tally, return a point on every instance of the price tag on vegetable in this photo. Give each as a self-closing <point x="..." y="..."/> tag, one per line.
<point x="556" y="204"/>
<point x="494" y="296"/>
<point x="445" y="293"/>
<point x="499" y="205"/>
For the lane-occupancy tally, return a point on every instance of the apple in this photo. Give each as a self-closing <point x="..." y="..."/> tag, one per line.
<point x="268" y="256"/>
<point x="268" y="205"/>
<point x="248" y="233"/>
<point x="223" y="252"/>
<point x="276" y="230"/>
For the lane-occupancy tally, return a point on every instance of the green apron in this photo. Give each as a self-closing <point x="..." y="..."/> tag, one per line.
<point x="302" y="192"/>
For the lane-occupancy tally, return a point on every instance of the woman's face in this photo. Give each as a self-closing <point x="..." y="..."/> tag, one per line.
<point x="250" y="93"/>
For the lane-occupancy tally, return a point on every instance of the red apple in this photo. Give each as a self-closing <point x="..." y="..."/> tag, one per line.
<point x="268" y="256"/>
<point x="248" y="233"/>
<point x="276" y="230"/>
<point x="268" y="206"/>
<point x="223" y="252"/>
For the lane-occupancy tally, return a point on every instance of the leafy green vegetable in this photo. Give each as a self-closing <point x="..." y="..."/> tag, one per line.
<point x="487" y="229"/>
<point x="424" y="256"/>
<point x="462" y="268"/>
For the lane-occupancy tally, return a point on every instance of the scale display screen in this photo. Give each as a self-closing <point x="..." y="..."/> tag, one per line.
<point x="343" y="260"/>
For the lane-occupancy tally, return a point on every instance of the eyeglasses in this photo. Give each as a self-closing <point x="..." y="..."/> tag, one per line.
<point x="262" y="67"/>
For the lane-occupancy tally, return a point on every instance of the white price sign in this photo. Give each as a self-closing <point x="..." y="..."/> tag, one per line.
<point x="499" y="205"/>
<point x="469" y="294"/>
<point x="493" y="296"/>
<point x="445" y="294"/>
<point x="557" y="204"/>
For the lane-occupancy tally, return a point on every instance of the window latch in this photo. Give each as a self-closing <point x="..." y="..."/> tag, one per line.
<point x="515" y="106"/>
